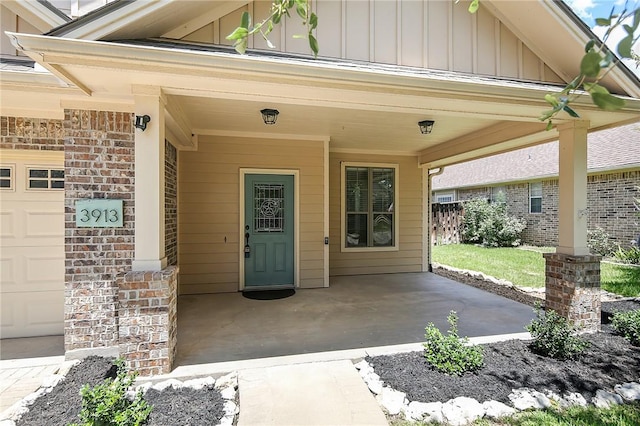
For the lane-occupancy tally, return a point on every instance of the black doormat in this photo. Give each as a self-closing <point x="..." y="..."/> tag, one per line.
<point x="268" y="294"/>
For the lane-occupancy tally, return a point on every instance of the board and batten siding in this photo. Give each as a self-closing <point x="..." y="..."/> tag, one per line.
<point x="408" y="258"/>
<point x="439" y="35"/>
<point x="208" y="213"/>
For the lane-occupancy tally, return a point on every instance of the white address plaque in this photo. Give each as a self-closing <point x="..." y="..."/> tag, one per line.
<point x="99" y="213"/>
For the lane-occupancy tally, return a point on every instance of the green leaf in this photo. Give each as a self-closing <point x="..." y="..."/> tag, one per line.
<point x="602" y="22"/>
<point x="238" y="34"/>
<point x="570" y="111"/>
<point x="595" y="88"/>
<point x="589" y="46"/>
<point x="246" y="20"/>
<point x="241" y="46"/>
<point x="624" y="47"/>
<point x="549" y="125"/>
<point x="473" y="6"/>
<point x="313" y="44"/>
<point x="606" y="101"/>
<point x="302" y="11"/>
<point x="547" y="115"/>
<point x="276" y="18"/>
<point x="590" y="64"/>
<point x="551" y="100"/>
<point x="313" y="21"/>
<point x="298" y="36"/>
<point x="608" y="59"/>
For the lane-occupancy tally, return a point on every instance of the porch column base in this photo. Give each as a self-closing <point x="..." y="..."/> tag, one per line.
<point x="573" y="289"/>
<point x="148" y="320"/>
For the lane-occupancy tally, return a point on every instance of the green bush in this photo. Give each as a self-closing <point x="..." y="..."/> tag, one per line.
<point x="627" y="324"/>
<point x="631" y="255"/>
<point x="106" y="404"/>
<point x="554" y="336"/>
<point x="490" y="225"/>
<point x="450" y="354"/>
<point x="598" y="242"/>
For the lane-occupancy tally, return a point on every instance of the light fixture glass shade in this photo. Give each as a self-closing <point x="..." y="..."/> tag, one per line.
<point x="426" y="126"/>
<point x="269" y="115"/>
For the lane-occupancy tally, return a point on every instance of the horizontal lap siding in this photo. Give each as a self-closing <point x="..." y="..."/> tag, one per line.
<point x="409" y="256"/>
<point x="209" y="211"/>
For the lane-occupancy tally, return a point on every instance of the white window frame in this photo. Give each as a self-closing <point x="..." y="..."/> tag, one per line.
<point x="48" y="179"/>
<point x="12" y="177"/>
<point x="531" y="197"/>
<point x="493" y="195"/>
<point x="437" y="195"/>
<point x="343" y="207"/>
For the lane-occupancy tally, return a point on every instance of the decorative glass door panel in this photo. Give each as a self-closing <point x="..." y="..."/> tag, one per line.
<point x="269" y="231"/>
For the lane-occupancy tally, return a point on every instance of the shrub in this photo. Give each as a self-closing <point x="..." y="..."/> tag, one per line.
<point x="627" y="324"/>
<point x="631" y="255"/>
<point x="450" y="354"/>
<point x="554" y="336"/>
<point x="489" y="224"/>
<point x="106" y="404"/>
<point x="598" y="242"/>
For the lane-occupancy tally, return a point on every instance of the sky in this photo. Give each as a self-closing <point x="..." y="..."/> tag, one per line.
<point x="588" y="10"/>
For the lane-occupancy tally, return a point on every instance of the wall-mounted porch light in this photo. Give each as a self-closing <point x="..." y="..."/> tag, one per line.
<point x="426" y="126"/>
<point x="142" y="121"/>
<point x="269" y="115"/>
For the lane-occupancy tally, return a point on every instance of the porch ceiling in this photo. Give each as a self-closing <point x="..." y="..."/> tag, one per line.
<point x="371" y="107"/>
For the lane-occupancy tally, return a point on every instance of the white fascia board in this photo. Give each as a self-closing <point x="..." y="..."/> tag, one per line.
<point x="107" y="24"/>
<point x="35" y="13"/>
<point x="30" y="79"/>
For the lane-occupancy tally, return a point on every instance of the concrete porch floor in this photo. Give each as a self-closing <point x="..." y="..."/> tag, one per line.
<point x="354" y="312"/>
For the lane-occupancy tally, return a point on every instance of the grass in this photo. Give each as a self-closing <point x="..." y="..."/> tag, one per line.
<point x="619" y="415"/>
<point x="525" y="266"/>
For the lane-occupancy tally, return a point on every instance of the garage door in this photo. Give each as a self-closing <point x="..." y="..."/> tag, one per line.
<point x="31" y="243"/>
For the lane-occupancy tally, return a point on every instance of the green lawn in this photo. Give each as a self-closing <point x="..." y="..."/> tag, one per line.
<point x="525" y="266"/>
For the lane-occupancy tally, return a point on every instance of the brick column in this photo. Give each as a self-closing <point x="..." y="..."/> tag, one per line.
<point x="99" y="163"/>
<point x="573" y="289"/>
<point x="148" y="320"/>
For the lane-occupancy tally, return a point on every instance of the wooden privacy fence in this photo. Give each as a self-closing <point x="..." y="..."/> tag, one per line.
<point x="446" y="223"/>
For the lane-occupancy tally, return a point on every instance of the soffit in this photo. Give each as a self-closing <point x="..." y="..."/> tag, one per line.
<point x="373" y="108"/>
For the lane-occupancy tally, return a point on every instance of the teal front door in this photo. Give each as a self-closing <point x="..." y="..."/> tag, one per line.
<point x="268" y="231"/>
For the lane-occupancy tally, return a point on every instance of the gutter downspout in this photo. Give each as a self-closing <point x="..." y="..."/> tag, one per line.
<point x="430" y="174"/>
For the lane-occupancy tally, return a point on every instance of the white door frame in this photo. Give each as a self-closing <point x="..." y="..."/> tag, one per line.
<point x="296" y="219"/>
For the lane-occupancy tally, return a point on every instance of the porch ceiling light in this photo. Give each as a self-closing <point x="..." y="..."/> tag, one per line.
<point x="426" y="126"/>
<point x="269" y="115"/>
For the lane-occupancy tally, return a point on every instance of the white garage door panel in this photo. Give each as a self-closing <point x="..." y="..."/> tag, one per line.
<point x="32" y="250"/>
<point x="38" y="314"/>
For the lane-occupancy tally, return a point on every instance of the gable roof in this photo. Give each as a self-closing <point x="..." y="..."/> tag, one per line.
<point x="612" y="149"/>
<point x="41" y="14"/>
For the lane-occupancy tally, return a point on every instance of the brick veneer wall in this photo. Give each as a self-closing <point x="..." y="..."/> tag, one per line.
<point x="573" y="289"/>
<point x="171" y="203"/>
<point x="99" y="163"/>
<point x="31" y="133"/>
<point x="609" y="199"/>
<point x="148" y="320"/>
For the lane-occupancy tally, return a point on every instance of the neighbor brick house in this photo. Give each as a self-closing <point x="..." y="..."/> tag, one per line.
<point x="175" y="183"/>
<point x="527" y="180"/>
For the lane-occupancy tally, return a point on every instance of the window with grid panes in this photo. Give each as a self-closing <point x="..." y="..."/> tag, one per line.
<point x="535" y="197"/>
<point x="369" y="200"/>
<point x="6" y="177"/>
<point x="41" y="179"/>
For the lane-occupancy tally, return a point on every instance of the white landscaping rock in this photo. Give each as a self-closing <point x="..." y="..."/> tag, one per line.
<point x="31" y="398"/>
<point x="362" y="365"/>
<point x="50" y="382"/>
<point x="496" y="409"/>
<point x="199" y="383"/>
<point x="572" y="400"/>
<point x="144" y="387"/>
<point x="228" y="393"/>
<point x="176" y="384"/>
<point x="392" y="400"/>
<point x="231" y="408"/>
<point x="629" y="391"/>
<point x="524" y="399"/>
<point x="604" y="399"/>
<point x="426" y="411"/>
<point x="462" y="410"/>
<point x="375" y="386"/>
<point x="7" y="422"/>
<point x="230" y="379"/>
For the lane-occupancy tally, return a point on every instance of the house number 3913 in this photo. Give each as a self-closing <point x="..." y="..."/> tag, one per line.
<point x="99" y="213"/>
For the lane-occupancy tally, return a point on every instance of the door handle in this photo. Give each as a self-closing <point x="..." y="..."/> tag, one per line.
<point x="247" y="248"/>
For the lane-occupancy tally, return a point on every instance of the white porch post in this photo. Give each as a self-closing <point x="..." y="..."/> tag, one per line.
<point x="572" y="205"/>
<point x="149" y="184"/>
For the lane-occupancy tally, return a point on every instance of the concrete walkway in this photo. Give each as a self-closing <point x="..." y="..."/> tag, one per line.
<point x="323" y="393"/>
